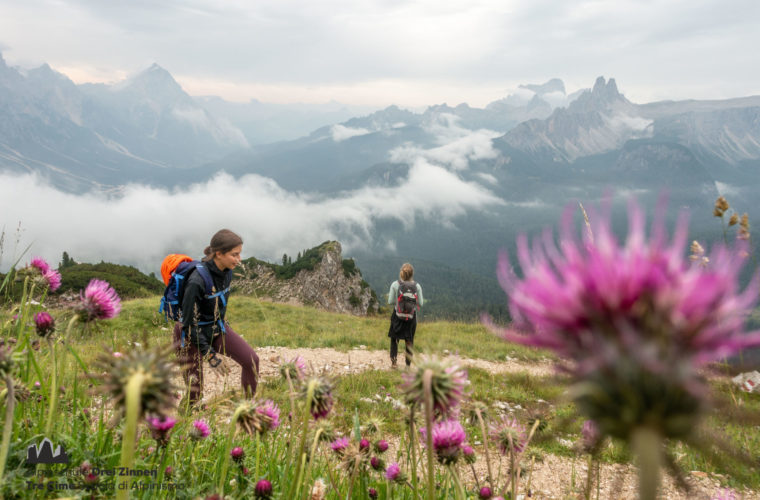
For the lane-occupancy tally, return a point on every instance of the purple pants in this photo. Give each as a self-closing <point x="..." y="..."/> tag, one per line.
<point x="230" y="344"/>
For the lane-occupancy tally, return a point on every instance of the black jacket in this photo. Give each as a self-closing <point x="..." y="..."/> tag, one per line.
<point x="197" y="309"/>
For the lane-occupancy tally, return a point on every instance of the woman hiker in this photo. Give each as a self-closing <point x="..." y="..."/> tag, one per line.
<point x="203" y="334"/>
<point x="406" y="295"/>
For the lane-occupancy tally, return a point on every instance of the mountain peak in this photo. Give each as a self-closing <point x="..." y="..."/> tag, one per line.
<point x="606" y="90"/>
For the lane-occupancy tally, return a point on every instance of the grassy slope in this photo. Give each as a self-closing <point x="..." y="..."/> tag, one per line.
<point x="268" y="324"/>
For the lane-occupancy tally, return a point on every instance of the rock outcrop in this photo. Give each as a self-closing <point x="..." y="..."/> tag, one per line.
<point x="321" y="278"/>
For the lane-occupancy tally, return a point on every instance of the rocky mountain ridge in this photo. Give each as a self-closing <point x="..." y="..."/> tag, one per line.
<point x="321" y="278"/>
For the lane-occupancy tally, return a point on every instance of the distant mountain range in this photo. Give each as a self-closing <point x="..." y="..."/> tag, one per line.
<point x="530" y="154"/>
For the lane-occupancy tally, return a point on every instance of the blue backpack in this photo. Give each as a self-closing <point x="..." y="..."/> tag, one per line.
<point x="171" y="302"/>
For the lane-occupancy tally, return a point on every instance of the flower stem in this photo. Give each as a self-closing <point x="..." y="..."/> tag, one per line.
<point x="646" y="443"/>
<point x="311" y="460"/>
<point x="230" y="437"/>
<point x="133" y="397"/>
<point x="427" y="387"/>
<point x="412" y="444"/>
<point x="10" y="406"/>
<point x="457" y="483"/>
<point x="54" y="378"/>
<point x="305" y="427"/>
<point x="485" y="447"/>
<point x="53" y="389"/>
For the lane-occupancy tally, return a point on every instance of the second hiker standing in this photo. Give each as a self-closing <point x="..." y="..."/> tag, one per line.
<point x="406" y="295"/>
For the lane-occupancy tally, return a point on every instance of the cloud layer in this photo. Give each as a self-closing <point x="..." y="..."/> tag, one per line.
<point x="144" y="223"/>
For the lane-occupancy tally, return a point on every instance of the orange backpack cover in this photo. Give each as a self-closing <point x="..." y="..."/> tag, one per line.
<point x="170" y="263"/>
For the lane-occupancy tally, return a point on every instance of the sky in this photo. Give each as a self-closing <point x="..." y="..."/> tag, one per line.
<point x="411" y="53"/>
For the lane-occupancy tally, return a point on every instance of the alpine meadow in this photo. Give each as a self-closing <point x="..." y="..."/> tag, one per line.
<point x="207" y="265"/>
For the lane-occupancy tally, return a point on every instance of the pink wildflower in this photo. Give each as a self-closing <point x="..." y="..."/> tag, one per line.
<point x="638" y="319"/>
<point x="99" y="301"/>
<point x="160" y="427"/>
<point x="485" y="493"/>
<point x="448" y="437"/>
<point x="381" y="446"/>
<point x="598" y="300"/>
<point x="53" y="279"/>
<point x="200" y="430"/>
<point x="263" y="489"/>
<point x="40" y="264"/>
<point x="449" y="383"/>
<point x="725" y="494"/>
<point x="393" y="473"/>
<point x="340" y="444"/>
<point x="45" y="323"/>
<point x="237" y="454"/>
<point x="271" y="413"/>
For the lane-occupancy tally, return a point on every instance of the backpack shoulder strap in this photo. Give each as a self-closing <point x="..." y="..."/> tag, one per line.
<point x="207" y="280"/>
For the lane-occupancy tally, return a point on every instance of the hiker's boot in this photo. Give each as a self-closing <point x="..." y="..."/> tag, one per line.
<point x="393" y="363"/>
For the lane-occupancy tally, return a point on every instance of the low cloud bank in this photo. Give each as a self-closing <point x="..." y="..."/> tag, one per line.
<point x="144" y="223"/>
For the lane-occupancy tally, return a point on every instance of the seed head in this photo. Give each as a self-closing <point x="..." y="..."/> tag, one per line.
<point x="155" y="366"/>
<point x="508" y="434"/>
<point x="721" y="206"/>
<point x="322" y="399"/>
<point x="295" y="368"/>
<point x="448" y="384"/>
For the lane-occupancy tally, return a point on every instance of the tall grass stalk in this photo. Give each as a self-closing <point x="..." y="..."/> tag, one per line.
<point x="54" y="378"/>
<point x="302" y="444"/>
<point x="427" y="383"/>
<point x="133" y="406"/>
<point x="228" y="447"/>
<point x="482" y="424"/>
<point x="10" y="406"/>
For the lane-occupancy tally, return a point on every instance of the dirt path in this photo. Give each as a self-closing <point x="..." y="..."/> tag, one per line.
<point x="555" y="477"/>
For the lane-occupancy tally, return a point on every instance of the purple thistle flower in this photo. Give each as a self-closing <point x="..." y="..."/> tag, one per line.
<point x="372" y="493"/>
<point x="160" y="427"/>
<point x="376" y="463"/>
<point x="53" y="279"/>
<point x="40" y="264"/>
<point x="237" y="454"/>
<point x="45" y="323"/>
<point x="99" y="301"/>
<point x="485" y="493"/>
<point x="168" y="471"/>
<point x="505" y="430"/>
<point x="322" y="400"/>
<point x="200" y="430"/>
<point x="263" y="489"/>
<point x="637" y="318"/>
<point x="469" y="454"/>
<point x="393" y="473"/>
<point x="364" y="444"/>
<point x="448" y="437"/>
<point x="271" y="415"/>
<point x="597" y="301"/>
<point x="340" y="444"/>
<point x="381" y="446"/>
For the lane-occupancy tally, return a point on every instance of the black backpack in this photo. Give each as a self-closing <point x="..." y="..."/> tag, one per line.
<point x="406" y="301"/>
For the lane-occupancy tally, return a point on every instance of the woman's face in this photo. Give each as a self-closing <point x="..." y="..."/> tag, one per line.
<point x="230" y="259"/>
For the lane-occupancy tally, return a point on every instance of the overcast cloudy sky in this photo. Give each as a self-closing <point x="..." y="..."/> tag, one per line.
<point x="407" y="52"/>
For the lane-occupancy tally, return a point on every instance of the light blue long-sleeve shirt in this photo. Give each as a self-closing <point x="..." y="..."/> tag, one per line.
<point x="393" y="293"/>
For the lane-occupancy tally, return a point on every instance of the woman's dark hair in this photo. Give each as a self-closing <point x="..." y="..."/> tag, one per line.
<point x="223" y="241"/>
